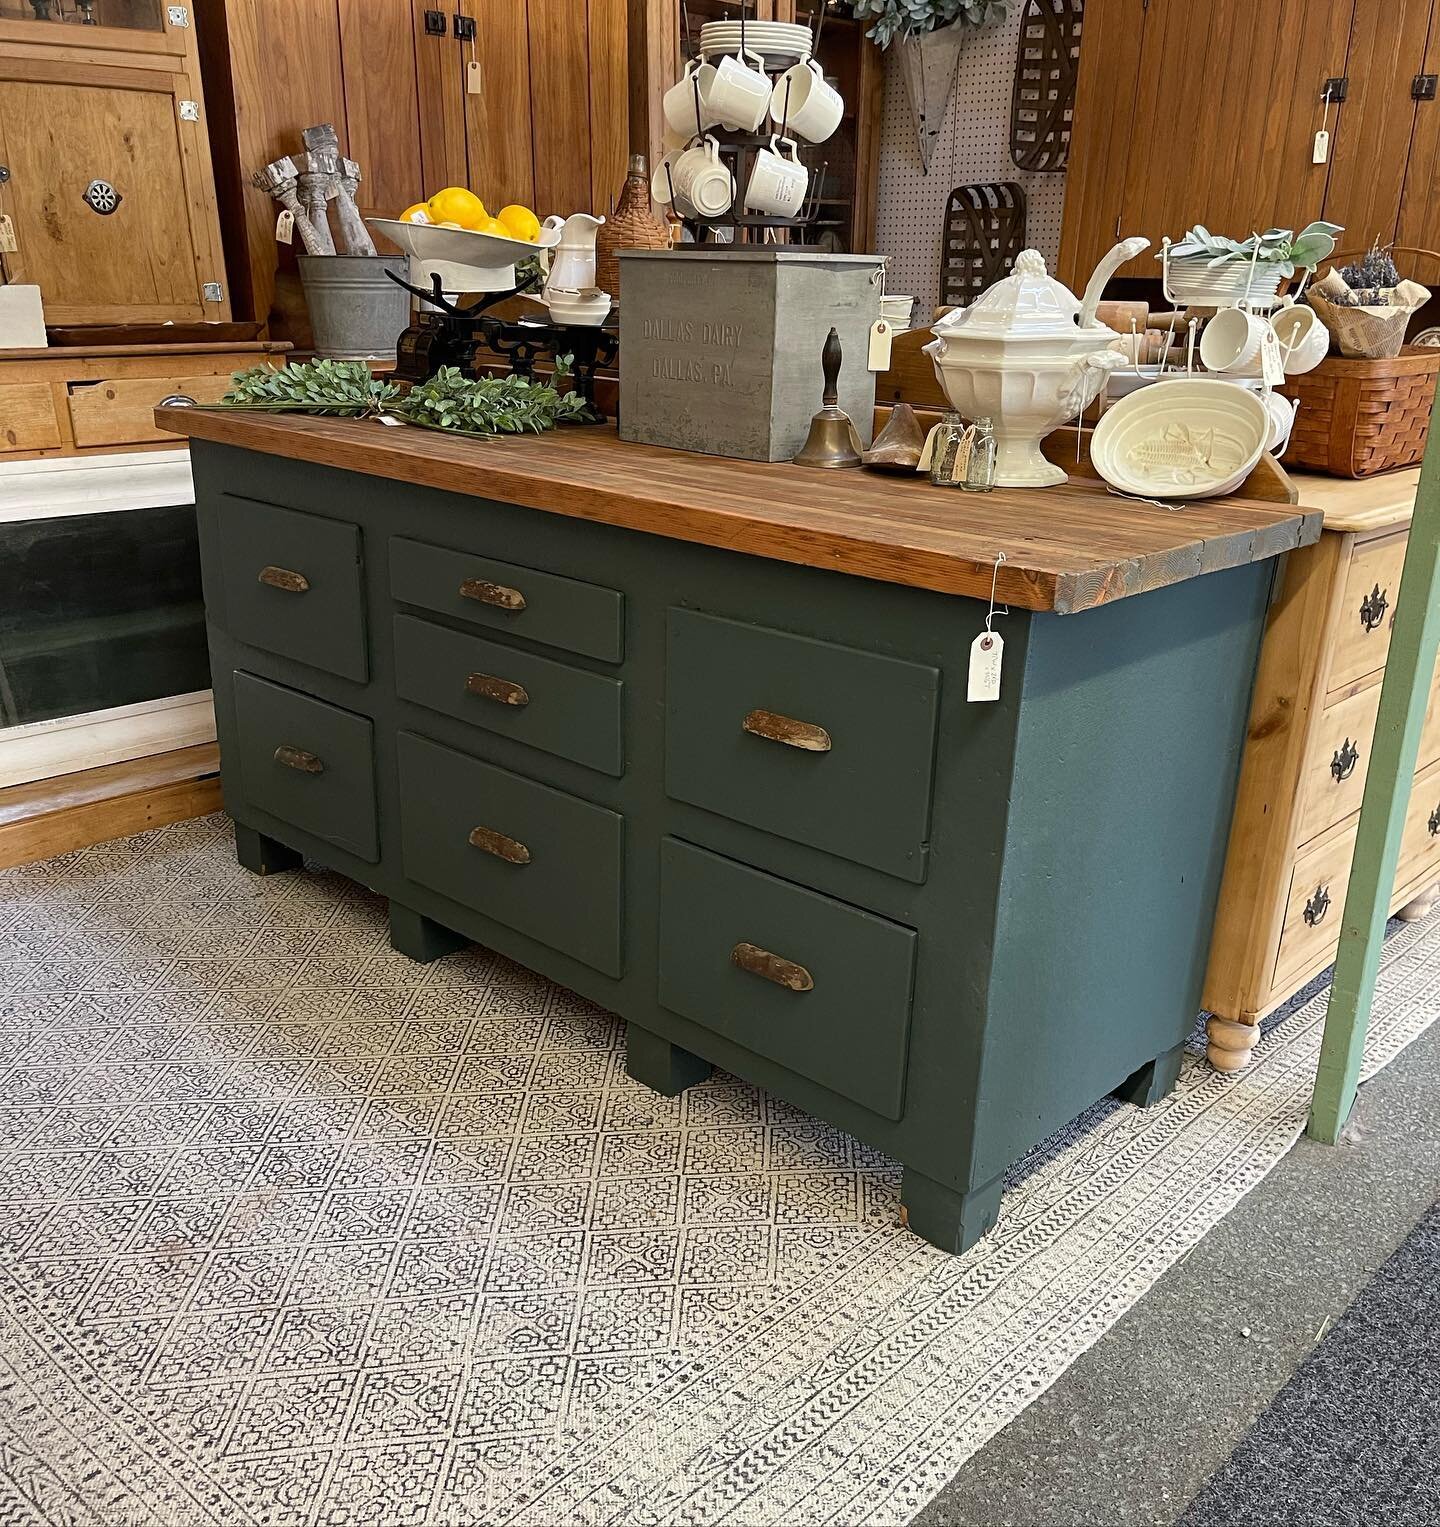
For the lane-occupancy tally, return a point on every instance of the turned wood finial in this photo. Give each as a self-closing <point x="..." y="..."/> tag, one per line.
<point x="1230" y="1044"/>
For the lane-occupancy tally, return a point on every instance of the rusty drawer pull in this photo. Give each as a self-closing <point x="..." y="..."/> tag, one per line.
<point x="492" y="593"/>
<point x="492" y="842"/>
<point x="283" y="578"/>
<point x="1373" y="607"/>
<point x="1433" y="823"/>
<point x="1342" y="765"/>
<point x="1317" y="906"/>
<point x="298" y="758"/>
<point x="503" y="690"/>
<point x="760" y="962"/>
<point x="794" y="734"/>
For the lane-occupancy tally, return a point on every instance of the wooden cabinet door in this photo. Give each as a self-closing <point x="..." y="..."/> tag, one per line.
<point x="1419" y="222"/>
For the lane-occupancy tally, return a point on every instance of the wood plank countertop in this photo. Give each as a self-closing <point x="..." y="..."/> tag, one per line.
<point x="1066" y="549"/>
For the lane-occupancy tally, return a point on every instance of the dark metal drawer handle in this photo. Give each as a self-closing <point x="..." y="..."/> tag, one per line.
<point x="760" y="962"/>
<point x="298" y="758"/>
<point x="1318" y="905"/>
<point x="1342" y="765"/>
<point x="1373" y="607"/>
<point x="492" y="842"/>
<point x="492" y="593"/>
<point x="283" y="578"/>
<point x="503" y="690"/>
<point x="794" y="734"/>
<point x="1434" y="823"/>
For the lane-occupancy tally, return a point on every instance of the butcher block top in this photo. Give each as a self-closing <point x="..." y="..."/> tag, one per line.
<point x="1066" y="549"/>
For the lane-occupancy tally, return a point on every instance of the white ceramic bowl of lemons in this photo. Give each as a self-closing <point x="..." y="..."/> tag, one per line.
<point x="452" y="236"/>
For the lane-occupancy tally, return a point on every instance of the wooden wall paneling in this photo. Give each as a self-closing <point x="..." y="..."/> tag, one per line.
<point x="609" y="102"/>
<point x="498" y="120"/>
<point x="440" y="94"/>
<point x="1419" y="222"/>
<point x="869" y="105"/>
<point x="1371" y="141"/>
<point x="560" y="91"/>
<point x="1106" y="103"/>
<point x="653" y="48"/>
<point x="382" y="110"/>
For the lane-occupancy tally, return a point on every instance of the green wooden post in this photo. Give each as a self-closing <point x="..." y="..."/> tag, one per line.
<point x="1403" y="698"/>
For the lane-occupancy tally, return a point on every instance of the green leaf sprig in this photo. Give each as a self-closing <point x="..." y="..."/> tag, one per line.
<point x="1275" y="247"/>
<point x="913" y="18"/>
<point x="313" y="387"/>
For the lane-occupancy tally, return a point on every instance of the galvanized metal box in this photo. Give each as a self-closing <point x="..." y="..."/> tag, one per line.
<point x="720" y="351"/>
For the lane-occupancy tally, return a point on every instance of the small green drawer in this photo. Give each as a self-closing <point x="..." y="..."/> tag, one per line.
<point x="536" y="859"/>
<point x="818" y="743"/>
<point x="542" y="607"/>
<point x="816" y="985"/>
<point x="293" y="585"/>
<point x="548" y="705"/>
<point x="308" y="763"/>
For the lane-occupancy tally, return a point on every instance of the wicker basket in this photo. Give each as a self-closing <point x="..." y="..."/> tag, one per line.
<point x="1359" y="417"/>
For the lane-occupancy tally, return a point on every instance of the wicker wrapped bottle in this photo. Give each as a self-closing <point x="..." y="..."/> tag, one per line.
<point x="632" y="225"/>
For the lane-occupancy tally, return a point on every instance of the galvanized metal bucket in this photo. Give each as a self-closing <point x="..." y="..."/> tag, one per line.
<point x="356" y="310"/>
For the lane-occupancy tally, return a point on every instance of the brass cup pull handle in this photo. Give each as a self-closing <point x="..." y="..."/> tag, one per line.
<point x="283" y="578"/>
<point x="1342" y="765"/>
<point x="794" y="734"/>
<point x="502" y="690"/>
<point x="298" y="758"/>
<point x="493" y="593"/>
<point x="491" y="842"/>
<point x="771" y="967"/>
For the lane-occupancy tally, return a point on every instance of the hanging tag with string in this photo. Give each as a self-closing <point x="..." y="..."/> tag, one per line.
<point x="987" y="648"/>
<point x="881" y="334"/>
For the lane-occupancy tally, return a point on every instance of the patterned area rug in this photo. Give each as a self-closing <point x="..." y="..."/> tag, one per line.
<point x="295" y="1232"/>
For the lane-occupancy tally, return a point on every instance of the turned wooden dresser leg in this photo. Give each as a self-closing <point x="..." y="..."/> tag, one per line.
<point x="663" y="1066"/>
<point x="1230" y="1043"/>
<point x="1154" y="1080"/>
<point x="421" y="937"/>
<point x="264" y="856"/>
<point x="947" y="1219"/>
<point x="1419" y="907"/>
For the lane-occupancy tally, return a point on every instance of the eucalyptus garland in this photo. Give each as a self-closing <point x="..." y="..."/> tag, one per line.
<point x="913" y="18"/>
<point x="449" y="400"/>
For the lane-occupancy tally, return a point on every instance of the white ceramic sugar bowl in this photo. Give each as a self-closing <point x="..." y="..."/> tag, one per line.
<point x="1023" y="356"/>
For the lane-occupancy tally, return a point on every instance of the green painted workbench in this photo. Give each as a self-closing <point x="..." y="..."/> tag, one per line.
<point x="692" y="738"/>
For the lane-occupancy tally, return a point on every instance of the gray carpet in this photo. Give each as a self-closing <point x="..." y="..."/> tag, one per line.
<point x="1354" y="1437"/>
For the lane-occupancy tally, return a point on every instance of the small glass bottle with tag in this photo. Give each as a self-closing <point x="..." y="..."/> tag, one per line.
<point x="980" y="468"/>
<point x="947" y="470"/>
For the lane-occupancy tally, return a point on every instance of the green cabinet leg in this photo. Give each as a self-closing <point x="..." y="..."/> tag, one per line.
<point x="661" y="1065"/>
<point x="421" y="937"/>
<point x="947" y="1219"/>
<point x="1154" y="1080"/>
<point x="264" y="856"/>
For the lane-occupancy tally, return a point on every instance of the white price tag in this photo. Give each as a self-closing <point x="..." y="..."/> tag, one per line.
<point x="1322" y="147"/>
<point x="880" y="338"/>
<point x="927" y="451"/>
<point x="472" y="77"/>
<point x="285" y="226"/>
<point x="1272" y="364"/>
<point x="985" y="654"/>
<point x="388" y="419"/>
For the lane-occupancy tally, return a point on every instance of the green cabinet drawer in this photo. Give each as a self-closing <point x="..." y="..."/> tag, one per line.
<point x="536" y="859"/>
<point x="308" y="763"/>
<point x="820" y="987"/>
<point x="292" y="585"/>
<point x="548" y="705"/>
<point x="542" y="607"/>
<point x="818" y="743"/>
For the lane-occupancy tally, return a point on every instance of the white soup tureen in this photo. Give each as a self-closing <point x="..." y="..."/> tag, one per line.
<point x="1028" y="355"/>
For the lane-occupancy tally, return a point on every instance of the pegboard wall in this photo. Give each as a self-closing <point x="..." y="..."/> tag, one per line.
<point x="974" y="145"/>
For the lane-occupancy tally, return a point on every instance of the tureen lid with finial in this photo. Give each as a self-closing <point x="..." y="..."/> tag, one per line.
<point x="1029" y="303"/>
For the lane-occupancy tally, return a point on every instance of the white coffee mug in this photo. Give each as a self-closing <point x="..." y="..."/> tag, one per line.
<point x="1304" y="339"/>
<point x="1281" y="411"/>
<point x="684" y="106"/>
<point x="662" y="177"/>
<point x="703" y="179"/>
<point x="736" y="94"/>
<point x="777" y="184"/>
<point x="1231" y="342"/>
<point x="814" y="107"/>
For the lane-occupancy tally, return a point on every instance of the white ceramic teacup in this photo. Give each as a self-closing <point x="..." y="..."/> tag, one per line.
<point x="703" y="179"/>
<point x="1231" y="342"/>
<point x="1282" y="419"/>
<point x="1304" y="339"/>
<point x="777" y="184"/>
<point x="662" y="177"/>
<point x="814" y="107"/>
<point x="680" y="108"/>
<point x="581" y="309"/>
<point x="736" y="93"/>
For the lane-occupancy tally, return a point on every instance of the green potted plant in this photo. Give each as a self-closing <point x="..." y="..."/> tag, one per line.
<point x="929" y="33"/>
<point x="1206" y="269"/>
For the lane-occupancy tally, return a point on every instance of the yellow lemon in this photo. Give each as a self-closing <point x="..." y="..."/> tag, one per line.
<point x="457" y="205"/>
<point x="495" y="226"/>
<point x="419" y="213"/>
<point x="521" y="221"/>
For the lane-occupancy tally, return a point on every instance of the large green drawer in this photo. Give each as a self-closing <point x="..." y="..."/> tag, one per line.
<point x="292" y="585"/>
<point x="308" y="763"/>
<point x="543" y="607"/>
<point x="849" y="1031"/>
<point x="865" y="797"/>
<point x="533" y="858"/>
<point x="548" y="705"/>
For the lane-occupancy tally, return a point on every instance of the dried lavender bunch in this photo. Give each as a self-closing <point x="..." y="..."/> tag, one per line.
<point x="1374" y="273"/>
